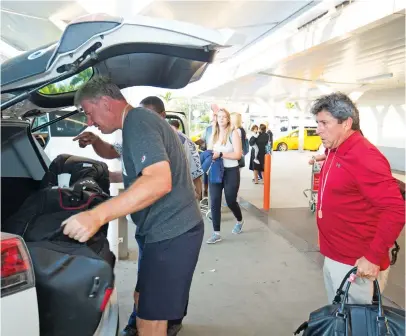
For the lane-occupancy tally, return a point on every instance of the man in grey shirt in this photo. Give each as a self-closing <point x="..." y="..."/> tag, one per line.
<point x="160" y="197"/>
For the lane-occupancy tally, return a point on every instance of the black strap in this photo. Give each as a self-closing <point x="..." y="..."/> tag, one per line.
<point x="375" y="299"/>
<point x="302" y="327"/>
<point x="340" y="290"/>
<point x="394" y="252"/>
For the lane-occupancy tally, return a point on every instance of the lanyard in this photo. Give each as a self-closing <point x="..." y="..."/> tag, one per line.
<point x="324" y="182"/>
<point x="124" y="115"/>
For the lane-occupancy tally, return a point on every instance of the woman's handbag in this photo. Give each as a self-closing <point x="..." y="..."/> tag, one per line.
<point x="342" y="319"/>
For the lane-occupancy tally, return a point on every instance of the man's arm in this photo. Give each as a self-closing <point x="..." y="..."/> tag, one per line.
<point x="102" y="148"/>
<point x="379" y="187"/>
<point x="198" y="187"/>
<point x="195" y="166"/>
<point x="116" y="177"/>
<point x="151" y="162"/>
<point x="105" y="150"/>
<point x="155" y="182"/>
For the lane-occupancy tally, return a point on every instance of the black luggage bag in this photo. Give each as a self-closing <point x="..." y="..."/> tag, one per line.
<point x="43" y="212"/>
<point x="73" y="284"/>
<point x="73" y="280"/>
<point x="342" y="319"/>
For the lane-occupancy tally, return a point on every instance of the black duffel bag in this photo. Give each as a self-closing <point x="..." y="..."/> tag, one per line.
<point x="44" y="211"/>
<point x="73" y="284"/>
<point x="343" y="319"/>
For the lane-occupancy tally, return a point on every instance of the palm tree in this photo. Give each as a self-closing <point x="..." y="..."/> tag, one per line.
<point x="167" y="97"/>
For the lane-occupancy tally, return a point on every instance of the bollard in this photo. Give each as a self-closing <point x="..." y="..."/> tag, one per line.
<point x="267" y="182"/>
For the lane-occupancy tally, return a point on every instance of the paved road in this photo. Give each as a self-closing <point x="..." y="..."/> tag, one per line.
<point x="255" y="283"/>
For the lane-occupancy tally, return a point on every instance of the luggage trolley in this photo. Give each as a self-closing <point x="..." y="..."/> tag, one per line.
<point x="205" y="207"/>
<point x="314" y="185"/>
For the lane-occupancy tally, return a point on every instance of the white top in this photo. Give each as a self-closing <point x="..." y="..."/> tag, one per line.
<point x="227" y="148"/>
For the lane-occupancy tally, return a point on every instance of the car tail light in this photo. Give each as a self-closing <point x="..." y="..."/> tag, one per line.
<point x="106" y="298"/>
<point x="16" y="268"/>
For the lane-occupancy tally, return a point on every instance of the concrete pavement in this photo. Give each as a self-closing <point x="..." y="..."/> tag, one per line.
<point x="254" y="283"/>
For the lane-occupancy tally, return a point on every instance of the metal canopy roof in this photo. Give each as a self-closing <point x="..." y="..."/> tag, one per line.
<point x="26" y="25"/>
<point x="370" y="58"/>
<point x="254" y="19"/>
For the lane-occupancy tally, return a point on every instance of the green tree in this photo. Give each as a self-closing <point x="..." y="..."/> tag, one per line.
<point x="197" y="124"/>
<point x="70" y="84"/>
<point x="167" y="97"/>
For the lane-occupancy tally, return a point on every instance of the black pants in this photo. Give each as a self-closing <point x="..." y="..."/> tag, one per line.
<point x="230" y="184"/>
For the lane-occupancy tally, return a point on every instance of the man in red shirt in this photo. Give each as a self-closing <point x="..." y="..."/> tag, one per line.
<point x="360" y="211"/>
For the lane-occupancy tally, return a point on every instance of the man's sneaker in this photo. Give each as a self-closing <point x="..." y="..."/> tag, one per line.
<point x="129" y="331"/>
<point x="174" y="329"/>
<point x="215" y="238"/>
<point x="238" y="227"/>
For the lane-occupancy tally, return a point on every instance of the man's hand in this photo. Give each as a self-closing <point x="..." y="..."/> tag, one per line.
<point x="86" y="138"/>
<point x="312" y="161"/>
<point x="82" y="226"/>
<point x="366" y="269"/>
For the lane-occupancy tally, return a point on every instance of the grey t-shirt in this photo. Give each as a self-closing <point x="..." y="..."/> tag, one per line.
<point x="148" y="139"/>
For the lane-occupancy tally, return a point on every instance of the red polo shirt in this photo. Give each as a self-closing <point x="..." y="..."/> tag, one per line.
<point x="363" y="211"/>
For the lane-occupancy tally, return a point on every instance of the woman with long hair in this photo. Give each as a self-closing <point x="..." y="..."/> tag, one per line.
<point x="236" y="123"/>
<point x="226" y="144"/>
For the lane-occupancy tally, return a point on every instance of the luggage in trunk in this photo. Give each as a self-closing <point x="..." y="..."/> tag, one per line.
<point x="79" y="168"/>
<point x="73" y="280"/>
<point x="73" y="286"/>
<point x="43" y="212"/>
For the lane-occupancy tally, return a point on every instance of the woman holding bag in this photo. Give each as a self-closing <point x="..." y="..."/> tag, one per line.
<point x="226" y="144"/>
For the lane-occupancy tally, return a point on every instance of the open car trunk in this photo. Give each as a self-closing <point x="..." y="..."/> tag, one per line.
<point x="34" y="209"/>
<point x="146" y="52"/>
<point x="23" y="164"/>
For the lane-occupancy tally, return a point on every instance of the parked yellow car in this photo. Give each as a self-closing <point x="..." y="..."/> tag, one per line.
<point x="291" y="141"/>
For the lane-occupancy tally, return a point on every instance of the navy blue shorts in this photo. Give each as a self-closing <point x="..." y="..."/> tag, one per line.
<point x="165" y="275"/>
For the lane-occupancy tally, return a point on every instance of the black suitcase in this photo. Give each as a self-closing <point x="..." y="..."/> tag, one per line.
<point x="73" y="280"/>
<point x="73" y="284"/>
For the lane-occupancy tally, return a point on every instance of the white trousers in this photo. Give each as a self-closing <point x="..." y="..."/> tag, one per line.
<point x="361" y="290"/>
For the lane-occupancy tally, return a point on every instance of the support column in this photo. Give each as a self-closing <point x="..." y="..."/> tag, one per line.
<point x="112" y="234"/>
<point x="302" y="107"/>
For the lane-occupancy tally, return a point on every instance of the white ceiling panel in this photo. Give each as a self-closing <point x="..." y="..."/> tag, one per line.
<point x="251" y="18"/>
<point x="370" y="52"/>
<point x="372" y="58"/>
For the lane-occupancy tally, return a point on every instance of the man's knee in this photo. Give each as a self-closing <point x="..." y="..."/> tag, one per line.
<point x="152" y="328"/>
